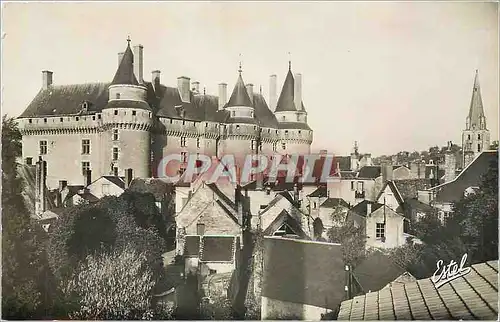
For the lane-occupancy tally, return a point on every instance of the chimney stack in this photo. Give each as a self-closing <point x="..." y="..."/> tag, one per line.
<point x="128" y="177"/>
<point x="387" y="172"/>
<point x="297" y="92"/>
<point x="183" y="87"/>
<point x="47" y="78"/>
<point x="87" y="178"/>
<point x="250" y="91"/>
<point x="222" y="95"/>
<point x="450" y="164"/>
<point x="41" y="181"/>
<point x="120" y="57"/>
<point x="196" y="87"/>
<point x="368" y="208"/>
<point x="139" y="63"/>
<point x="273" y="99"/>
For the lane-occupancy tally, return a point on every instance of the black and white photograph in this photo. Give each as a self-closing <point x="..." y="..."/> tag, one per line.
<point x="246" y="160"/>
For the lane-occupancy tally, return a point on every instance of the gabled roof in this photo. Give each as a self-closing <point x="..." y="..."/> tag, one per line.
<point x="320" y="192"/>
<point x="473" y="296"/>
<point x="415" y="204"/>
<point x="334" y="202"/>
<point x="376" y="271"/>
<point x="393" y="189"/>
<point x="115" y="180"/>
<point x="303" y="272"/>
<point x="239" y="97"/>
<point x="369" y="172"/>
<point x="285" y="219"/>
<point x="125" y="72"/>
<point x="408" y="188"/>
<point x="217" y="248"/>
<point x="361" y="208"/>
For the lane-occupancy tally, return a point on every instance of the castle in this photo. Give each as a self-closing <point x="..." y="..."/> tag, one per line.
<point x="106" y="128"/>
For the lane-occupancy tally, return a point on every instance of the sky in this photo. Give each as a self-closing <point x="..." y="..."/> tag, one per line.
<point x="393" y="76"/>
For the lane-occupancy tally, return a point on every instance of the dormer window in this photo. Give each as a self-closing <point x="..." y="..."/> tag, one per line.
<point x="44" y="120"/>
<point x="116" y="112"/>
<point x="134" y="113"/>
<point x="30" y="121"/>
<point x="117" y="96"/>
<point x="237" y="127"/>
<point x="85" y="106"/>
<point x="233" y="113"/>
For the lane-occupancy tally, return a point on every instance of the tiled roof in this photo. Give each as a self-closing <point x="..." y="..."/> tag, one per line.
<point x="217" y="248"/>
<point x="239" y="97"/>
<point x="470" y="176"/>
<point x="125" y="72"/>
<point x="192" y="246"/>
<point x="394" y="190"/>
<point x="414" y="204"/>
<point x="88" y="196"/>
<point x="116" y="180"/>
<point x="129" y="104"/>
<point x="320" y="192"/>
<point x="470" y="297"/>
<point x="334" y="202"/>
<point x="369" y="172"/>
<point x="68" y="99"/>
<point x="285" y="218"/>
<point x="361" y="208"/>
<point x="305" y="272"/>
<point x="376" y="271"/>
<point x="408" y="188"/>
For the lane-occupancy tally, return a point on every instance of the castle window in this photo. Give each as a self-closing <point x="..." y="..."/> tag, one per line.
<point x="237" y="127"/>
<point x="30" y="121"/>
<point x="233" y="113"/>
<point x="198" y="143"/>
<point x="479" y="136"/>
<point x="352" y="185"/>
<point x="268" y="130"/>
<point x="85" y="167"/>
<point x="115" y="171"/>
<point x="206" y="124"/>
<point x="134" y="113"/>
<point x="85" y="105"/>
<point x="115" y="134"/>
<point x="43" y="147"/>
<point x="93" y="118"/>
<point x="86" y="146"/>
<point x="45" y="120"/>
<point x="117" y="96"/>
<point x="274" y="146"/>
<point x="479" y="148"/>
<point x="99" y="116"/>
<point x="116" y="112"/>
<point x="61" y="119"/>
<point x="149" y="114"/>
<point x="200" y="229"/>
<point x="380" y="230"/>
<point x="254" y="128"/>
<point x="115" y="153"/>
<point x="183" y="141"/>
<point x="299" y="131"/>
<point x="29" y="161"/>
<point x="276" y="131"/>
<point x="468" y="137"/>
<point x="286" y="132"/>
<point x="283" y="145"/>
<point x="183" y="122"/>
<point x="253" y="145"/>
<point x="251" y="114"/>
<point x="171" y="121"/>
<point x="194" y="124"/>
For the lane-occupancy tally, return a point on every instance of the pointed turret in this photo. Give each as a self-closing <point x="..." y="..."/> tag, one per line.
<point x="476" y="119"/>
<point x="286" y="99"/>
<point x="125" y="73"/>
<point x="239" y="97"/>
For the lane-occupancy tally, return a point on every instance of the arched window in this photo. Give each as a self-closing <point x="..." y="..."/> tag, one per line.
<point x="479" y="136"/>
<point x="117" y="96"/>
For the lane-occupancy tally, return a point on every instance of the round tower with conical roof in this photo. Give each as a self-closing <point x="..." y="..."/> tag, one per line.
<point x="127" y="119"/>
<point x="295" y="135"/>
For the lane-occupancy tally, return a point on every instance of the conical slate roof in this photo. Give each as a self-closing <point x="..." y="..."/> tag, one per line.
<point x="286" y="99"/>
<point x="476" y="111"/>
<point x="125" y="72"/>
<point x="239" y="97"/>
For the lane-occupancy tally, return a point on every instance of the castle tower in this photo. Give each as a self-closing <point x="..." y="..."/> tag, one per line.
<point x="242" y="127"/>
<point x="295" y="133"/>
<point x="475" y="137"/>
<point x="127" y="119"/>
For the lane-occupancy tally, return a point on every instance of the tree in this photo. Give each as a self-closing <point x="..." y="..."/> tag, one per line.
<point x="113" y="286"/>
<point x="24" y="265"/>
<point x="475" y="218"/>
<point x="352" y="239"/>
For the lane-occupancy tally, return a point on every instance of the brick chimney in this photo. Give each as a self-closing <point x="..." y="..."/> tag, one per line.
<point x="222" y="95"/>
<point x="41" y="183"/>
<point x="62" y="185"/>
<point x="273" y="87"/>
<point x="450" y="164"/>
<point x="250" y="91"/>
<point x="46" y="78"/>
<point x="368" y="208"/>
<point x="297" y="91"/>
<point x="139" y="63"/>
<point x="183" y="88"/>
<point x="87" y="178"/>
<point x="128" y="177"/>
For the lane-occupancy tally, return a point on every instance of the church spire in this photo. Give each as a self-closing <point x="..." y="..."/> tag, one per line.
<point x="476" y="119"/>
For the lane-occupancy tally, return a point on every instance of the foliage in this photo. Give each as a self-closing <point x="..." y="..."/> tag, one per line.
<point x="113" y="286"/>
<point x="216" y="308"/>
<point x="352" y="239"/>
<point x="24" y="266"/>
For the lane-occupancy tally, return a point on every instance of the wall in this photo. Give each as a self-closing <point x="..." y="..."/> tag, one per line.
<point x="272" y="309"/>
<point x="345" y="192"/>
<point x="97" y="190"/>
<point x="393" y="229"/>
<point x="390" y="199"/>
<point x="181" y="197"/>
<point x="401" y="173"/>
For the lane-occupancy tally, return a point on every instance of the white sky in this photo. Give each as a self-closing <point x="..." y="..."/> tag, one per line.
<point x="392" y="75"/>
